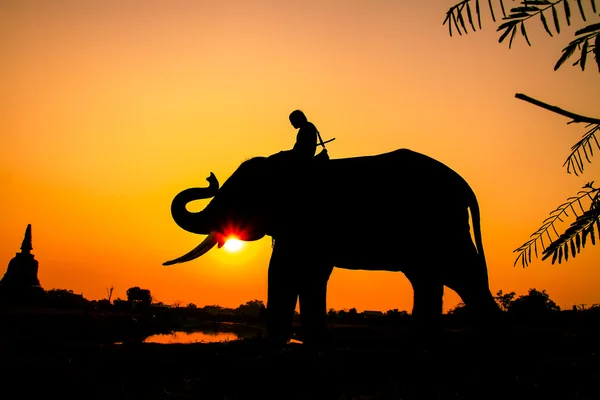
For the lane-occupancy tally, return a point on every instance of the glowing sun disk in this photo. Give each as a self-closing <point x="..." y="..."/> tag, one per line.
<point x="232" y="244"/>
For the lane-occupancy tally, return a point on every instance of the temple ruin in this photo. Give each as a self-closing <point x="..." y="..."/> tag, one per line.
<point x="20" y="283"/>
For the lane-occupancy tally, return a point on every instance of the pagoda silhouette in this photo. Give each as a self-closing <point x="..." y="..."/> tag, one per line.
<point x="20" y="284"/>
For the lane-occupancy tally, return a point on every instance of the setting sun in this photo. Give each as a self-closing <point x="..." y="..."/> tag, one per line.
<point x="233" y="245"/>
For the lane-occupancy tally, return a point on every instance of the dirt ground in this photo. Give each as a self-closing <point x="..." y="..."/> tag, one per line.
<point x="531" y="365"/>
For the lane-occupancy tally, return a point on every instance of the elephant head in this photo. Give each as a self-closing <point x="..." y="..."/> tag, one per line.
<point x="236" y="210"/>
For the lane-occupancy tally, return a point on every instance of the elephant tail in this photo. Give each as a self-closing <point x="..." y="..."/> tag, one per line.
<point x="476" y="217"/>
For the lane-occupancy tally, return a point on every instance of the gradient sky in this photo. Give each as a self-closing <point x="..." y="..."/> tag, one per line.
<point x="110" y="108"/>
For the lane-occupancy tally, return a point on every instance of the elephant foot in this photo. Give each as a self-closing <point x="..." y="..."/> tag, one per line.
<point x="318" y="341"/>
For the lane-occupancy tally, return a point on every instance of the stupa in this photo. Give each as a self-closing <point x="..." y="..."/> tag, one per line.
<point x="20" y="283"/>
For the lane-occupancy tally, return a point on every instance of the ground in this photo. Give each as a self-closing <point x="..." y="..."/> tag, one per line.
<point x="361" y="365"/>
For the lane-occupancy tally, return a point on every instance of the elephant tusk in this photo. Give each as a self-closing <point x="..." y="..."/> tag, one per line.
<point x="208" y="243"/>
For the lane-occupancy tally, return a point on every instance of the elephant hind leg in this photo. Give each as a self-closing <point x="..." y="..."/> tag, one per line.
<point x="472" y="285"/>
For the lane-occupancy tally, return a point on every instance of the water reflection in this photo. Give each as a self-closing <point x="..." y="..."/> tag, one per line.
<point x="193" y="337"/>
<point x="205" y="336"/>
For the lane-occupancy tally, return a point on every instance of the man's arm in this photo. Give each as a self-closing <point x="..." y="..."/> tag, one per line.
<point x="306" y="143"/>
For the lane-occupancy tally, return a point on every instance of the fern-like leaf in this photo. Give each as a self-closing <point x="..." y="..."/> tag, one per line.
<point x="574" y="162"/>
<point x="564" y="243"/>
<point x="573" y="238"/>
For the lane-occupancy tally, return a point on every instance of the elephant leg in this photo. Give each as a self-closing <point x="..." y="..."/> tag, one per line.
<point x="313" y="305"/>
<point x="470" y="281"/>
<point x="481" y="306"/>
<point x="427" y="306"/>
<point x="282" y="294"/>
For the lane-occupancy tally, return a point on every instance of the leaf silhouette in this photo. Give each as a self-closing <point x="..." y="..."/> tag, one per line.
<point x="462" y="22"/>
<point x="545" y="23"/>
<point x="567" y="52"/>
<point x="512" y="36"/>
<point x="524" y="32"/>
<point x="492" y="10"/>
<point x="581" y="9"/>
<point x="583" y="58"/>
<point x="470" y="16"/>
<point x="587" y="29"/>
<point x="555" y="17"/>
<point x="597" y="51"/>
<point x="509" y="29"/>
<point x="567" y="11"/>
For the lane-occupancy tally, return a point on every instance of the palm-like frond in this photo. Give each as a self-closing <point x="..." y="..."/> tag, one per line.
<point x="574" y="162"/>
<point x="574" y="238"/>
<point x="516" y="20"/>
<point x="588" y="42"/>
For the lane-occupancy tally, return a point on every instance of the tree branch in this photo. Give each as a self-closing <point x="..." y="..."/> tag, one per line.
<point x="568" y="114"/>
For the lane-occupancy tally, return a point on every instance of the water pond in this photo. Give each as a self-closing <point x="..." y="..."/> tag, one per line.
<point x="203" y="336"/>
<point x="226" y="333"/>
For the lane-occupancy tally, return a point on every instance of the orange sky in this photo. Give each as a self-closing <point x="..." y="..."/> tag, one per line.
<point x="108" y="109"/>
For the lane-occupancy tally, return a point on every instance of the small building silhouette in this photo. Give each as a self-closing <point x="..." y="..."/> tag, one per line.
<point x="20" y="284"/>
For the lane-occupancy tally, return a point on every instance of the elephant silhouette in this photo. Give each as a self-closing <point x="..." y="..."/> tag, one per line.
<point x="398" y="211"/>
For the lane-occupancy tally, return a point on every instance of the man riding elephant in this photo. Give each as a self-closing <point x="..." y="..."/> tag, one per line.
<point x="307" y="140"/>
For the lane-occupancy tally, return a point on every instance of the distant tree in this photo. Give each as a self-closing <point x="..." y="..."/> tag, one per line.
<point x="177" y="304"/>
<point x="251" y="307"/>
<point x="65" y="299"/>
<point x="584" y="207"/>
<point x="212" y="309"/>
<point x="192" y="305"/>
<point x="504" y="299"/>
<point x="459" y="310"/>
<point x="395" y="315"/>
<point x="534" y="304"/>
<point x="395" y="312"/>
<point x="103" y="304"/>
<point x="138" y="297"/>
<point x="120" y="304"/>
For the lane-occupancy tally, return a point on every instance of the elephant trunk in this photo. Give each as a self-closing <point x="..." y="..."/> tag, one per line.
<point x="195" y="222"/>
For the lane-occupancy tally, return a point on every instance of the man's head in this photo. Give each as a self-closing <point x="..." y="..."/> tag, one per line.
<point x="297" y="118"/>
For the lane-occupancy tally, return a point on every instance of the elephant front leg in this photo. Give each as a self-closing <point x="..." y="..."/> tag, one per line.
<point x="427" y="307"/>
<point x="313" y="305"/>
<point x="282" y="295"/>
